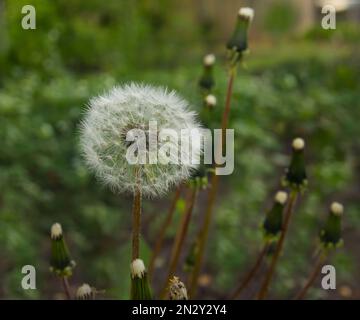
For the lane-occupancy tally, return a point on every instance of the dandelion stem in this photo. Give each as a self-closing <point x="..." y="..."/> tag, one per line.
<point x="162" y="232"/>
<point x="66" y="287"/>
<point x="252" y="272"/>
<point x="265" y="284"/>
<point x="204" y="231"/>
<point x="179" y="239"/>
<point x="136" y="225"/>
<point x="318" y="264"/>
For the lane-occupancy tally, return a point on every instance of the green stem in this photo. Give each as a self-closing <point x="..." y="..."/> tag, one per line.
<point x="179" y="240"/>
<point x="162" y="232"/>
<point x="204" y="231"/>
<point x="66" y="287"/>
<point x="136" y="225"/>
<point x="251" y="273"/>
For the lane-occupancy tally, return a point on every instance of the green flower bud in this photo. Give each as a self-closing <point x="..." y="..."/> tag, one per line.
<point x="295" y="176"/>
<point x="140" y="289"/>
<point x="177" y="290"/>
<point x="207" y="82"/>
<point x="60" y="262"/>
<point x="330" y="235"/>
<point x="272" y="225"/>
<point x="239" y="39"/>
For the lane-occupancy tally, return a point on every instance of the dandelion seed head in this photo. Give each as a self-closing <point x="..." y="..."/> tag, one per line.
<point x="112" y="118"/>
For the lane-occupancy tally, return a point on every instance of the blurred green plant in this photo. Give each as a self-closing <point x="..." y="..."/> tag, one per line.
<point x="302" y="88"/>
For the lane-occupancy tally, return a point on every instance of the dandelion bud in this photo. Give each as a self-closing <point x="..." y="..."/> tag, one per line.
<point x="210" y="101"/>
<point x="273" y="221"/>
<point x="85" y="292"/>
<point x="60" y="261"/>
<point x="177" y="290"/>
<point x="330" y="235"/>
<point x="140" y="289"/>
<point x="191" y="257"/>
<point x="238" y="41"/>
<point x="207" y="82"/>
<point x="296" y="173"/>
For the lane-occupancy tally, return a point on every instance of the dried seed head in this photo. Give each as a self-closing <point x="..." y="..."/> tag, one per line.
<point x="298" y="144"/>
<point x="209" y="59"/>
<point x="137" y="268"/>
<point x="56" y="231"/>
<point x="272" y="224"/>
<point x="337" y="208"/>
<point x="177" y="290"/>
<point x="246" y="13"/>
<point x="281" y="197"/>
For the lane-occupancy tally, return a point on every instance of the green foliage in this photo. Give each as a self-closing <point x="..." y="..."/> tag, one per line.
<point x="280" y="18"/>
<point x="80" y="49"/>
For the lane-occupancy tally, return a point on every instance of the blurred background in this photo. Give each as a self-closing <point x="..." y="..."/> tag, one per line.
<point x="299" y="79"/>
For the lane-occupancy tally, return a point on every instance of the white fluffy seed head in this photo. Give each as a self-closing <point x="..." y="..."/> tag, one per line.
<point x="298" y="144"/>
<point x="246" y="13"/>
<point x="84" y="291"/>
<point x="210" y="100"/>
<point x="56" y="230"/>
<point x="137" y="268"/>
<point x="281" y="197"/>
<point x="337" y="208"/>
<point x="110" y="119"/>
<point x="209" y="59"/>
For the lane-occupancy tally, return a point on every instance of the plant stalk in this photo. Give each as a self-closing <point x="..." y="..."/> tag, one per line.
<point x="318" y="264"/>
<point x="162" y="231"/>
<point x="204" y="231"/>
<point x="136" y="225"/>
<point x="179" y="239"/>
<point x="265" y="284"/>
<point x="66" y="287"/>
<point x="252" y="272"/>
